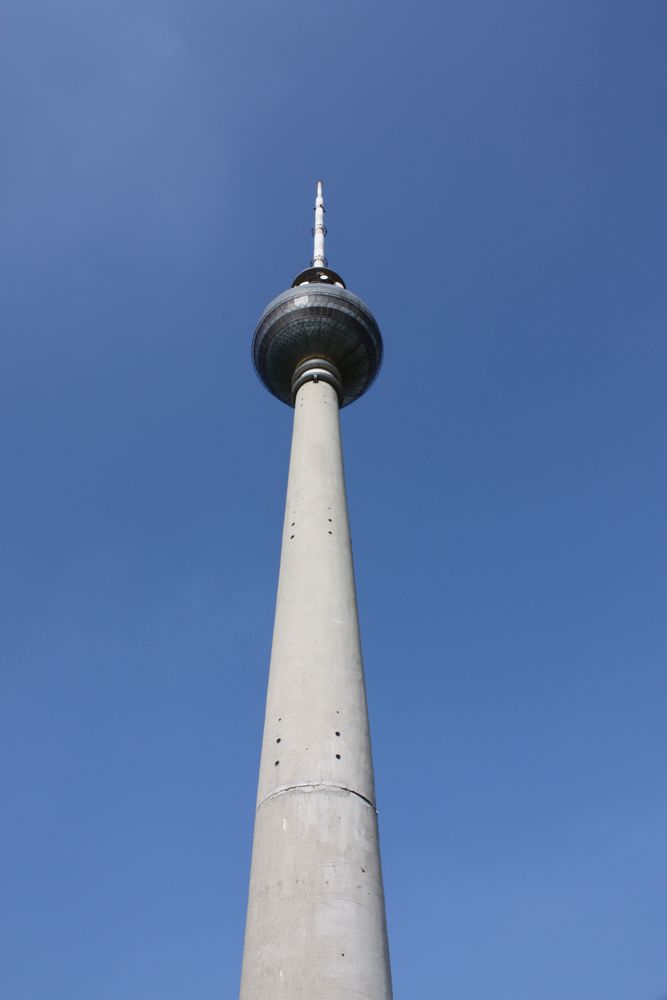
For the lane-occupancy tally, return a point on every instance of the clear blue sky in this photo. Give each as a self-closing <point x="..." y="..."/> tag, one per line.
<point x="495" y="179"/>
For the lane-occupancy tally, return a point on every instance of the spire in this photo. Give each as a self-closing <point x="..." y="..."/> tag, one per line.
<point x="319" y="231"/>
<point x="319" y="271"/>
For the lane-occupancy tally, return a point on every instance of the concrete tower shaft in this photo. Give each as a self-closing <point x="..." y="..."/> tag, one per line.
<point x="316" y="919"/>
<point x="316" y="721"/>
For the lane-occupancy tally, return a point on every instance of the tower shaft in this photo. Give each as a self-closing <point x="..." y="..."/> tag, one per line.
<point x="316" y="920"/>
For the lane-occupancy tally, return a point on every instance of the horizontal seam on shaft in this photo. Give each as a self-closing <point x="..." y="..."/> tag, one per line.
<point x="315" y="785"/>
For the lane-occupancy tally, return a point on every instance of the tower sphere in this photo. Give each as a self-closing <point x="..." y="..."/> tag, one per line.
<point x="317" y="329"/>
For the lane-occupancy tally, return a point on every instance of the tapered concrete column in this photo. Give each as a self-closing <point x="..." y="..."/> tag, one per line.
<point x="316" y="927"/>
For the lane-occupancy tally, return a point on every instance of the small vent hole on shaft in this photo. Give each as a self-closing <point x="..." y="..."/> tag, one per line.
<point x="276" y="763"/>
<point x="337" y="756"/>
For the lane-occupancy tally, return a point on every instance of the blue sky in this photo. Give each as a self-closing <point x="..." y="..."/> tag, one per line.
<point x="495" y="182"/>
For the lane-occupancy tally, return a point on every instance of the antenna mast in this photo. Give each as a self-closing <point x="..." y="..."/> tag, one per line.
<point x="319" y="231"/>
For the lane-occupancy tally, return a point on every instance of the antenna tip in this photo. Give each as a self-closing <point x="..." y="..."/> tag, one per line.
<point x="319" y="189"/>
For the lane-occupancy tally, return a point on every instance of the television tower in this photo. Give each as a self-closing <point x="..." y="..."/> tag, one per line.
<point x="316" y="925"/>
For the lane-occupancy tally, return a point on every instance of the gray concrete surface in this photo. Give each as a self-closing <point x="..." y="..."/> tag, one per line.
<point x="316" y="927"/>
